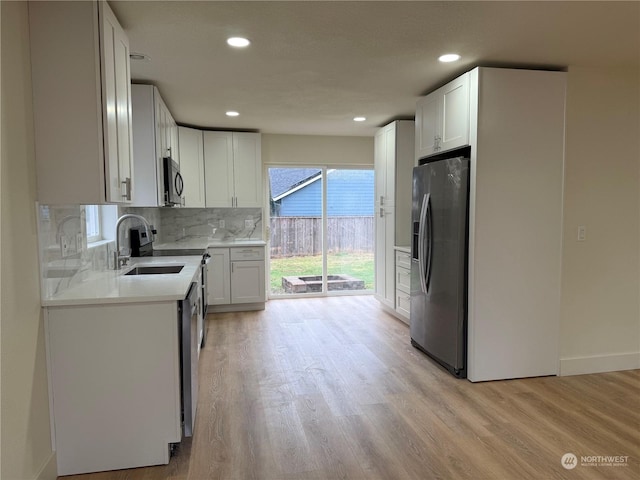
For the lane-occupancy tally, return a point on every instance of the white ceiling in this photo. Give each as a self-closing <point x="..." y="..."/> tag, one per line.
<point x="313" y="66"/>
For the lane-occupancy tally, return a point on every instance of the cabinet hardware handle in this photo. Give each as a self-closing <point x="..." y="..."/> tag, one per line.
<point x="381" y="212"/>
<point x="127" y="188"/>
<point x="381" y="200"/>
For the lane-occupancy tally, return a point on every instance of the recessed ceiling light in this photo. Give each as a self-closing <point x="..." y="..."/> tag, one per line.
<point x="449" y="57"/>
<point x="359" y="119"/>
<point x="238" y="42"/>
<point x="231" y="113"/>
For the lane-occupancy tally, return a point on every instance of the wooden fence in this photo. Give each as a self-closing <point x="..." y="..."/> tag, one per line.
<point x="300" y="236"/>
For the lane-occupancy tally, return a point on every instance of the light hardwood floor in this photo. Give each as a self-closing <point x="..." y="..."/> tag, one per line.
<point x="330" y="388"/>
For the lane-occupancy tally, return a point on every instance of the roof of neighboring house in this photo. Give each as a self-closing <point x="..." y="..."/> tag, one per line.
<point x="283" y="180"/>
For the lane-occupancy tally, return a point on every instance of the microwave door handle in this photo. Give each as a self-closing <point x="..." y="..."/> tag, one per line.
<point x="179" y="184"/>
<point x="421" y="249"/>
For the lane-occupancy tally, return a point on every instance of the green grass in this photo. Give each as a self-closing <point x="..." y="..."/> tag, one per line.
<point x="359" y="265"/>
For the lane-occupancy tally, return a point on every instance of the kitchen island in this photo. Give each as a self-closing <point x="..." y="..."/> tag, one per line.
<point x="114" y="356"/>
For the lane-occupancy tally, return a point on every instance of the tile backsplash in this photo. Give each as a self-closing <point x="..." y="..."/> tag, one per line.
<point x="174" y="224"/>
<point x="66" y="259"/>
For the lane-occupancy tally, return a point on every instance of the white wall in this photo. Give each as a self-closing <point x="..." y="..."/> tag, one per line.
<point x="25" y="435"/>
<point x="600" y="310"/>
<point x="317" y="150"/>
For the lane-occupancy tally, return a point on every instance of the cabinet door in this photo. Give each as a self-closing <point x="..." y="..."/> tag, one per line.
<point x="403" y="304"/>
<point x="454" y="121"/>
<point x="174" y="142"/>
<point x="247" y="282"/>
<point x="192" y="166"/>
<point x="380" y="167"/>
<point x="117" y="114"/>
<point x="389" y="297"/>
<point x="247" y="169"/>
<point x="427" y="124"/>
<point x="147" y="165"/>
<point x="390" y="166"/>
<point x="218" y="292"/>
<point x="384" y="257"/>
<point x="218" y="168"/>
<point x="164" y="132"/>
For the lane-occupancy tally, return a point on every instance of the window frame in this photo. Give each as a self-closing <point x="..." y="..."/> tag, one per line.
<point x="93" y="223"/>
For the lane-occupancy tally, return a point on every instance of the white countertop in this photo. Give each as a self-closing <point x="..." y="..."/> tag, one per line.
<point x="113" y="286"/>
<point x="201" y="242"/>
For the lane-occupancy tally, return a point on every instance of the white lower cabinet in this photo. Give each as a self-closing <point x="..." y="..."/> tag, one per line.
<point x="219" y="277"/>
<point x="403" y="285"/>
<point x="247" y="281"/>
<point x="236" y="278"/>
<point x="114" y="375"/>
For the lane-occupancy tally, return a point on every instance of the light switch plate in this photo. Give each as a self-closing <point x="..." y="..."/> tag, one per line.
<point x="582" y="233"/>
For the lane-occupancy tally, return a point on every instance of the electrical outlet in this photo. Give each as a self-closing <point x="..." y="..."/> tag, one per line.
<point x="64" y="246"/>
<point x="221" y="224"/>
<point x="248" y="223"/>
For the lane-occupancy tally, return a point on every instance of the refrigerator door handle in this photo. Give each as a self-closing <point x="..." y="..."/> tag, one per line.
<point x="429" y="220"/>
<point x="421" y="249"/>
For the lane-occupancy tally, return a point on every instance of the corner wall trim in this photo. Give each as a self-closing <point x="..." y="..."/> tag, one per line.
<point x="599" y="363"/>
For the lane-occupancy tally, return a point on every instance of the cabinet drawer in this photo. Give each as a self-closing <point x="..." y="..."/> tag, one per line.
<point x="247" y="253"/>
<point x="403" y="260"/>
<point x="403" y="303"/>
<point x="403" y="280"/>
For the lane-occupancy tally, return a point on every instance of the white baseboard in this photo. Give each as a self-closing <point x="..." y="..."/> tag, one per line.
<point x="599" y="363"/>
<point x="391" y="311"/>
<point x="49" y="470"/>
<point x="238" y="307"/>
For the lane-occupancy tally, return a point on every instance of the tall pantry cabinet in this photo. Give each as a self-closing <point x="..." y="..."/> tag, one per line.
<point x="81" y="103"/>
<point x="393" y="166"/>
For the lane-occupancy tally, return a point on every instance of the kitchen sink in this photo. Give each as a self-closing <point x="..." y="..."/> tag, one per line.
<point x="155" y="270"/>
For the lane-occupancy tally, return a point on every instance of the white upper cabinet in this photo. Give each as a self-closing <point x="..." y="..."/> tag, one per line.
<point x="153" y="139"/>
<point x="167" y="130"/>
<point x="192" y="166"/>
<point x="81" y="102"/>
<point x="218" y="161"/>
<point x="233" y="169"/>
<point x="442" y="118"/>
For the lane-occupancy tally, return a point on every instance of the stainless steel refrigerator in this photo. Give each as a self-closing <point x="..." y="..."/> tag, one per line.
<point x="439" y="252"/>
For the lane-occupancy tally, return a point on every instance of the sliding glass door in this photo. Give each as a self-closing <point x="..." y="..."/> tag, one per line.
<point x="321" y="231"/>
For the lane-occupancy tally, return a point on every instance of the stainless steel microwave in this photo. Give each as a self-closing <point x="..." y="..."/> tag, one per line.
<point x="173" y="184"/>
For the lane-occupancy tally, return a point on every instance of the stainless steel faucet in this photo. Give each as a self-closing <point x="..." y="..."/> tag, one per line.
<point x="120" y="260"/>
